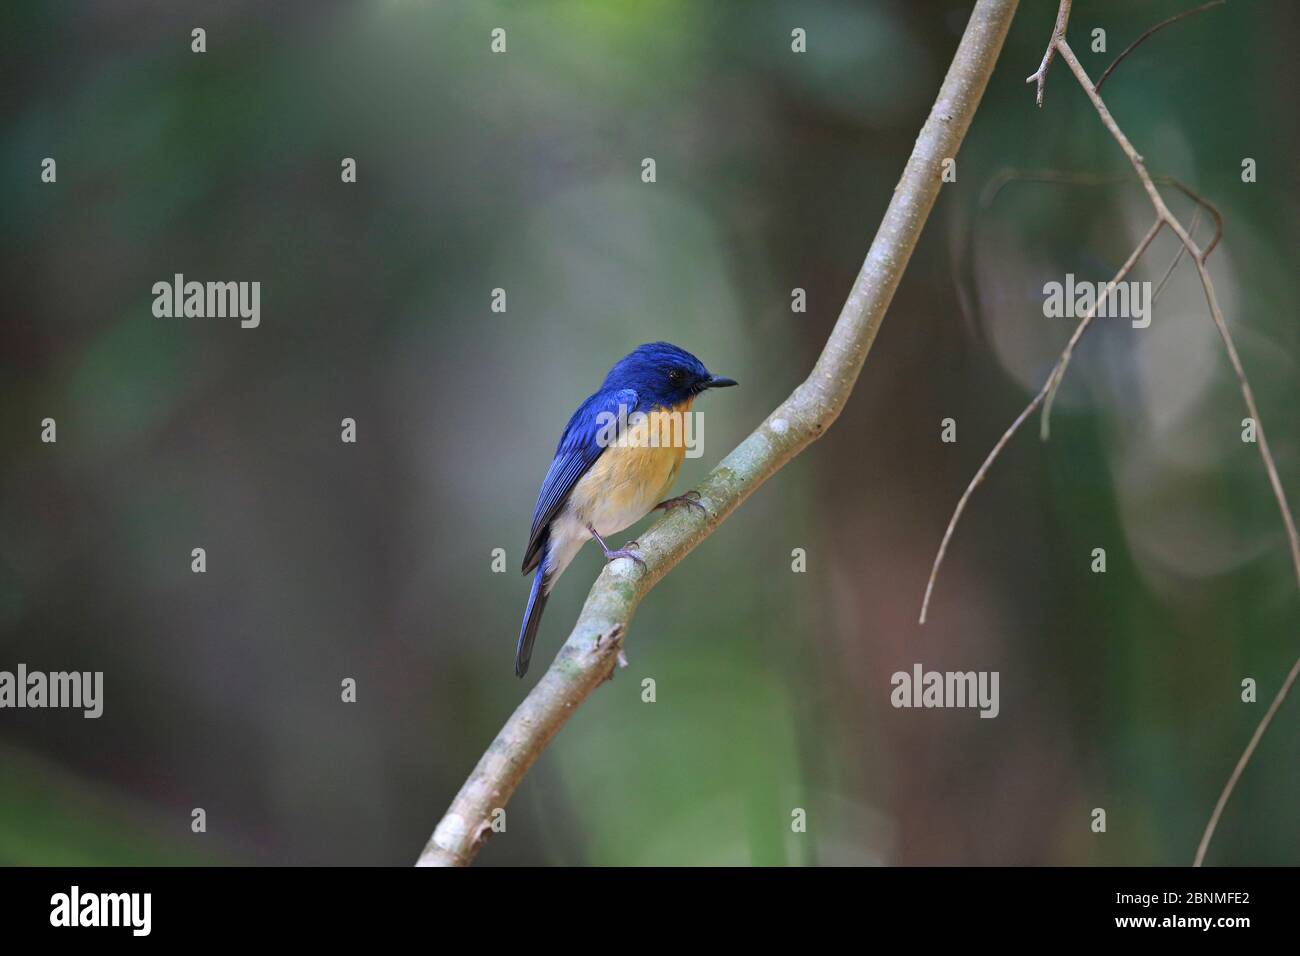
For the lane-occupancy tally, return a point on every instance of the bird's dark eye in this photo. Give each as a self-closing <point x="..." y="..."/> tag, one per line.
<point x="676" y="375"/>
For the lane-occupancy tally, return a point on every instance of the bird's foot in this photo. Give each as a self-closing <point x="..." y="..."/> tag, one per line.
<point x="623" y="552"/>
<point x="689" y="500"/>
<point x="620" y="663"/>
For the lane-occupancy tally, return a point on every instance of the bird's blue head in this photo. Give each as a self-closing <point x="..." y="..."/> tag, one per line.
<point x="663" y="375"/>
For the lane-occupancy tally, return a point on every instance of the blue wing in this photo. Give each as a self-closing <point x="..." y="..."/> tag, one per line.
<point x="576" y="453"/>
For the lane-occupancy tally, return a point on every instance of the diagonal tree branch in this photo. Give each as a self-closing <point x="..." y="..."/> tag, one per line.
<point x="590" y="654"/>
<point x="1244" y="759"/>
<point x="1045" y="428"/>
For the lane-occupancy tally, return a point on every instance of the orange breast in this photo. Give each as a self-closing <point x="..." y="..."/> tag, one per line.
<point x="632" y="476"/>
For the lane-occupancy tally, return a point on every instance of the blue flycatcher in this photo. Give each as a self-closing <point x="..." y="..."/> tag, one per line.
<point x="620" y="453"/>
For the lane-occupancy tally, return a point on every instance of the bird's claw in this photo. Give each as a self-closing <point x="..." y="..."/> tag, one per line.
<point x="625" y="553"/>
<point x="689" y="500"/>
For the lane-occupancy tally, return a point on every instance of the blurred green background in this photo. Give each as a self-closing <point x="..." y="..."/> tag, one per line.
<point x="522" y="171"/>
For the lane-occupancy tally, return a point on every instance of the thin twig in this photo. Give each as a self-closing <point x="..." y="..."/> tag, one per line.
<point x="1198" y="257"/>
<point x="1045" y="420"/>
<point x="993" y="188"/>
<point x="1058" y="33"/>
<point x="1155" y="29"/>
<point x="1006" y="176"/>
<point x="1029" y="410"/>
<point x="1166" y="217"/>
<point x="1243" y="760"/>
<point x="592" y="649"/>
<point x="1178" y="258"/>
<point x="1247" y="394"/>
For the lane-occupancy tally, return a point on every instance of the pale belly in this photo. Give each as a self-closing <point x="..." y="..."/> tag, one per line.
<point x="619" y="490"/>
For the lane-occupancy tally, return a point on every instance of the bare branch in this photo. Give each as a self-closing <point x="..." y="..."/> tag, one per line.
<point x="1045" y="421"/>
<point x="1173" y="266"/>
<point x="1242" y="761"/>
<point x="1155" y="29"/>
<point x="965" y="236"/>
<point x="590" y="653"/>
<point x="1058" y="33"/>
<point x="1166" y="217"/>
<point x="1057" y="371"/>
<point x="1198" y="257"/>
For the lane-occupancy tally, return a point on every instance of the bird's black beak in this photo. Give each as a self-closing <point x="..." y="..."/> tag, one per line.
<point x="718" y="381"/>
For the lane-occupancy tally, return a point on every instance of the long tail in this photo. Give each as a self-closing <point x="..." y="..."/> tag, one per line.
<point x="532" y="619"/>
